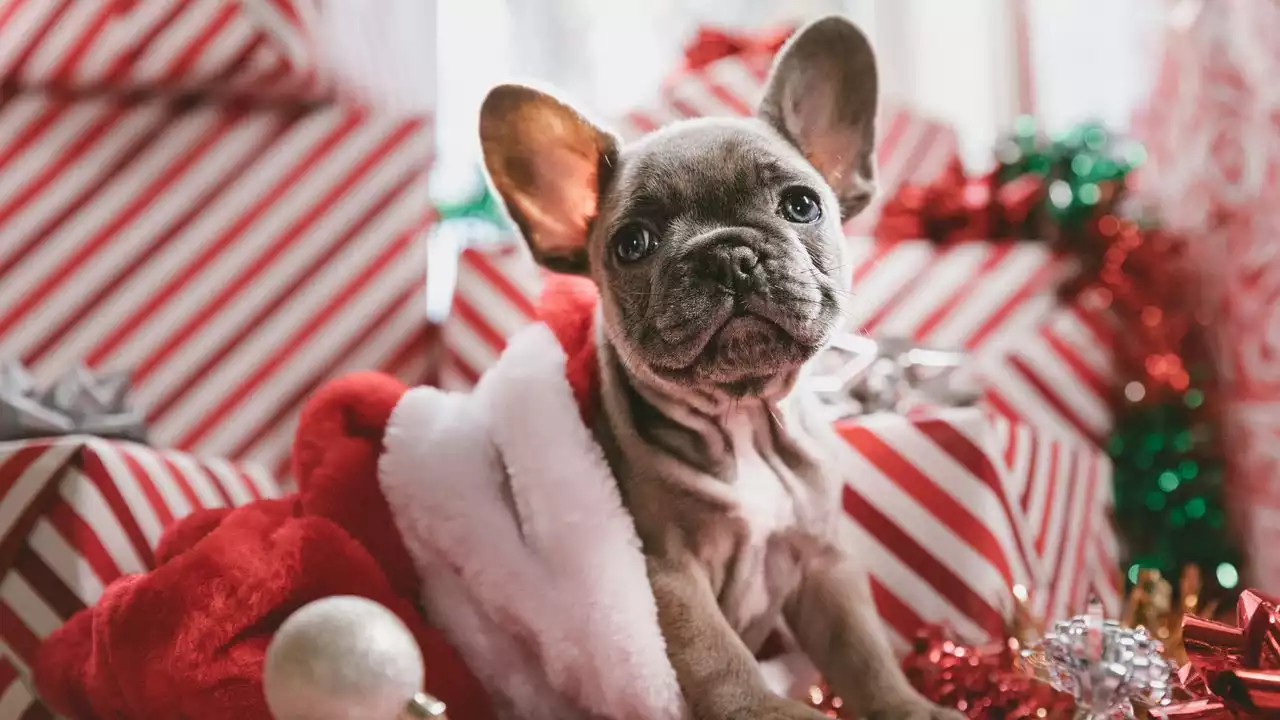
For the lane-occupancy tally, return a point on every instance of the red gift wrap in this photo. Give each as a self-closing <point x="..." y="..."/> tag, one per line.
<point x="1234" y="670"/>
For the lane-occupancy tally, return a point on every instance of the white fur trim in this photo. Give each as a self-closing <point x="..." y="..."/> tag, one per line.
<point x="530" y="562"/>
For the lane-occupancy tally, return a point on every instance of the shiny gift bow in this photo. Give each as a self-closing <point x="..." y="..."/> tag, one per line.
<point x="859" y="375"/>
<point x="1234" y="670"/>
<point x="1106" y="667"/>
<point x="78" y="402"/>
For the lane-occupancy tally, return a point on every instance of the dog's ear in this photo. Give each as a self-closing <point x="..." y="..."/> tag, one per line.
<point x="821" y="96"/>
<point x="549" y="165"/>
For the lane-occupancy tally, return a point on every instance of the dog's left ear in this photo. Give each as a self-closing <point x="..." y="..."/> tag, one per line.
<point x="549" y="165"/>
<point x="821" y="96"/>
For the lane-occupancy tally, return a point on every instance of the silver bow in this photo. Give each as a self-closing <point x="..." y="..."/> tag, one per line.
<point x="78" y="402"/>
<point x="858" y="375"/>
<point x="1106" y="667"/>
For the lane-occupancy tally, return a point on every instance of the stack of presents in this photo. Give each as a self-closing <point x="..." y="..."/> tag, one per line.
<point x="187" y="197"/>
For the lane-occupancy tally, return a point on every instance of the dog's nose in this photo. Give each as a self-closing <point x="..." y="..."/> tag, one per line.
<point x="735" y="267"/>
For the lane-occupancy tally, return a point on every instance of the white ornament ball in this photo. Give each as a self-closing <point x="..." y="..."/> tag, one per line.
<point x="342" y="658"/>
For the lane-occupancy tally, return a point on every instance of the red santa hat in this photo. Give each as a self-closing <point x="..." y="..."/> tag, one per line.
<point x="414" y="498"/>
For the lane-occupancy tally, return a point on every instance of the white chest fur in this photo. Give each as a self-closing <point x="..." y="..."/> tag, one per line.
<point x="765" y="503"/>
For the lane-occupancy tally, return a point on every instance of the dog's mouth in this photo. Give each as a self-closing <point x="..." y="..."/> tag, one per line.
<point x="742" y="322"/>
<point x="743" y="351"/>
<point x="742" y="344"/>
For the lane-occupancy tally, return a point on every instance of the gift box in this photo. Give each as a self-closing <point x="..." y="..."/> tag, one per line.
<point x="78" y="512"/>
<point x="1210" y="127"/>
<point x="1039" y="360"/>
<point x="233" y="251"/>
<point x="953" y="508"/>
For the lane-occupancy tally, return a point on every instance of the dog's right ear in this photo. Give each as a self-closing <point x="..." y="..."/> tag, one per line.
<point x="821" y="96"/>
<point x="549" y="164"/>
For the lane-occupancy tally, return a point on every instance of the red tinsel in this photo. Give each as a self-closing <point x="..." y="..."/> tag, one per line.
<point x="957" y="207"/>
<point x="1136" y="276"/>
<point x="1234" y="670"/>
<point x="1143" y="278"/>
<point x="985" y="683"/>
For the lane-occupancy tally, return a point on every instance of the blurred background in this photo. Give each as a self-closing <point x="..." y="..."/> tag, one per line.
<point x="976" y="64"/>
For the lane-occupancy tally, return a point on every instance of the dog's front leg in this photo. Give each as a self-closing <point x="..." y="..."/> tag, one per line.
<point x="833" y="617"/>
<point x="718" y="675"/>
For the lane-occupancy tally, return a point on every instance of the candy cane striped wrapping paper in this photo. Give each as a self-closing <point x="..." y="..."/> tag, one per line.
<point x="953" y="509"/>
<point x="1040" y="361"/>
<point x="78" y="512"/>
<point x="261" y="46"/>
<point x="959" y="507"/>
<point x="233" y="255"/>
<point x="17" y="701"/>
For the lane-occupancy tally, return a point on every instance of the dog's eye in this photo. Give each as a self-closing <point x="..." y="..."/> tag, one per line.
<point x="800" y="205"/>
<point x="633" y="243"/>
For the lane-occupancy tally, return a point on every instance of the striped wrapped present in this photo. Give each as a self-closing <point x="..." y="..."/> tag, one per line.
<point x="78" y="512"/>
<point x="17" y="701"/>
<point x="258" y="46"/>
<point x="233" y="252"/>
<point x="232" y="256"/>
<point x="955" y="508"/>
<point x="1040" y="361"/>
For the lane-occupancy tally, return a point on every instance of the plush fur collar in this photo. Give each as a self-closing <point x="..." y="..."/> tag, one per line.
<point x="530" y="562"/>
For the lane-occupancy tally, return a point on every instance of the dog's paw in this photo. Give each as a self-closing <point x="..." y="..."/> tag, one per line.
<point x="916" y="710"/>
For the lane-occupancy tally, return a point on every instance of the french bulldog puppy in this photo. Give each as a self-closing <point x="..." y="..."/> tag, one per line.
<point x="716" y="245"/>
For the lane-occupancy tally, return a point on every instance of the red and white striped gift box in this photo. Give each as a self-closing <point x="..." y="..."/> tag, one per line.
<point x="1040" y="361"/>
<point x="76" y="513"/>
<point x="258" y="46"/>
<point x="953" y="509"/>
<point x="912" y="148"/>
<point x="17" y="701"/>
<point x="232" y="255"/>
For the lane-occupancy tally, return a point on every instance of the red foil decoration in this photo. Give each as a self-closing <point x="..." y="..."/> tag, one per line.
<point x="1234" y="670"/>
<point x="984" y="683"/>
<point x="956" y="207"/>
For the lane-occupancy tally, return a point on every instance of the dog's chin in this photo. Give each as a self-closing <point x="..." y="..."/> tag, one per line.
<point x="746" y="355"/>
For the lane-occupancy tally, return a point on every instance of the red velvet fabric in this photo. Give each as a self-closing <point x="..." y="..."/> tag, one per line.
<point x="187" y="640"/>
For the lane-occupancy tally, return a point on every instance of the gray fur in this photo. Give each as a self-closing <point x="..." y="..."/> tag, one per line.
<point x="701" y="345"/>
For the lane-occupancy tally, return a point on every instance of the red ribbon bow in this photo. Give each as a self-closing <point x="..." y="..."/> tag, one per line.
<point x="957" y="207"/>
<point x="712" y="44"/>
<point x="1234" y="670"/>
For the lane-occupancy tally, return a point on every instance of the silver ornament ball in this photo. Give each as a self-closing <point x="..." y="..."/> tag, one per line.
<point x="342" y="658"/>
